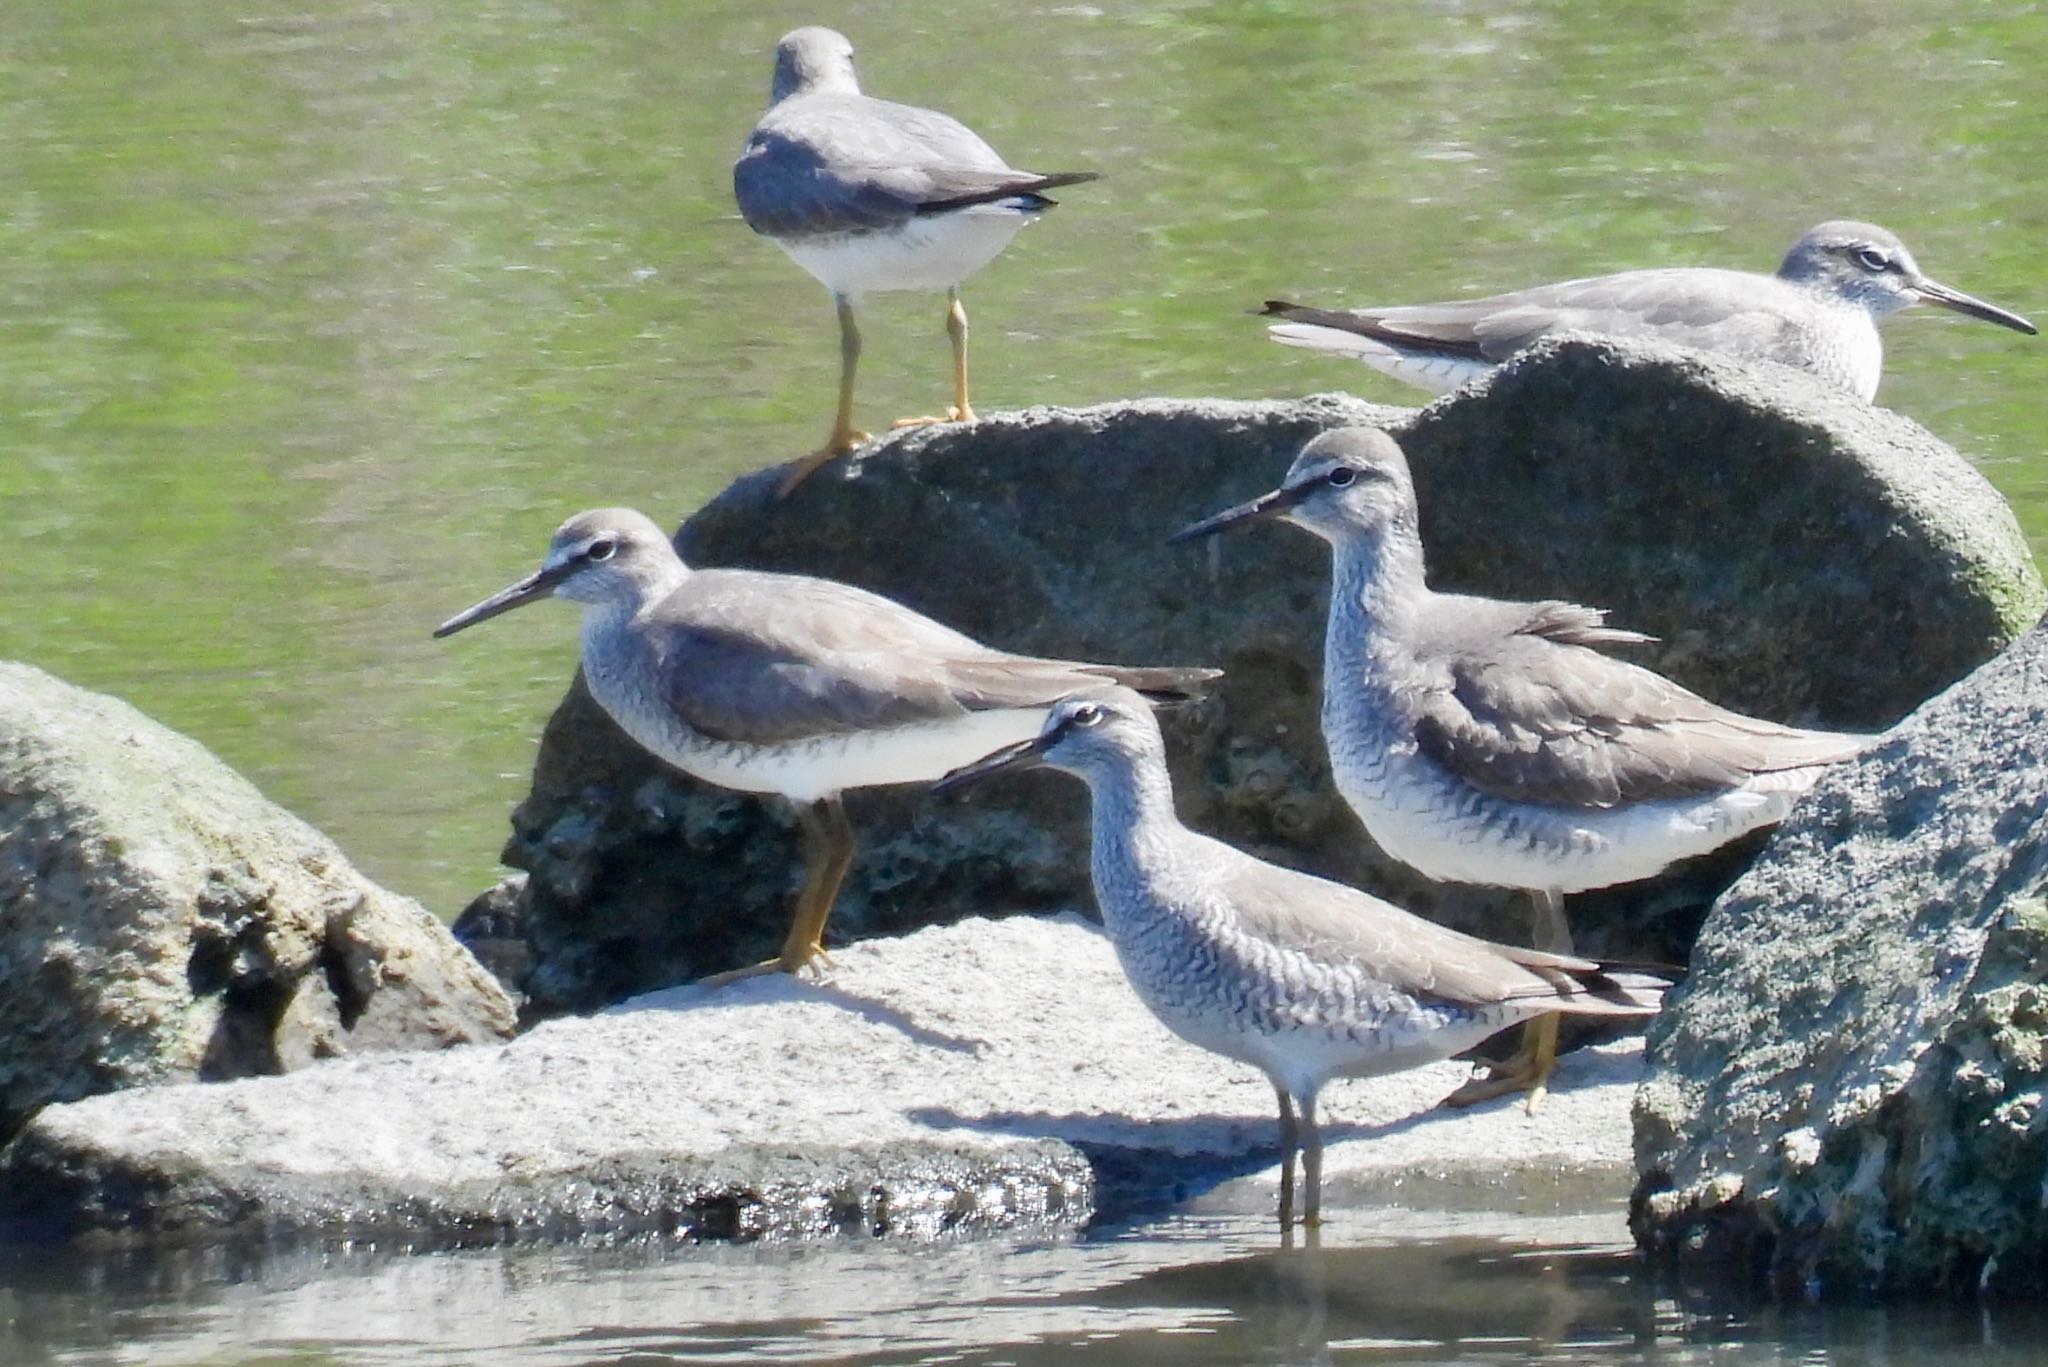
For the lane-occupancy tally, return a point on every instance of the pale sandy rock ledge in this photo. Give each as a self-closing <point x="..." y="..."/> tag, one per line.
<point x="985" y="1075"/>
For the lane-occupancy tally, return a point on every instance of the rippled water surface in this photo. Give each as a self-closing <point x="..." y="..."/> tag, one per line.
<point x="1213" y="1287"/>
<point x="315" y="319"/>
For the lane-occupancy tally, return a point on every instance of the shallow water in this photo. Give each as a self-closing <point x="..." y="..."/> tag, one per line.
<point x="314" y="322"/>
<point x="1215" y="1286"/>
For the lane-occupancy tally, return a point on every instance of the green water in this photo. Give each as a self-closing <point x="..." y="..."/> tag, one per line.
<point x="314" y="321"/>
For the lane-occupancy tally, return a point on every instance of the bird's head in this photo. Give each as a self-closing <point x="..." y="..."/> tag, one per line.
<point x="813" y="60"/>
<point x="1093" y="731"/>
<point x="1348" y="481"/>
<point x="1868" y="266"/>
<point x="604" y="556"/>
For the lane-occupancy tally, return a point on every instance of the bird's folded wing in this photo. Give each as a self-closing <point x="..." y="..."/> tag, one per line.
<point x="1686" y="307"/>
<point x="771" y="658"/>
<point x="849" y="163"/>
<point x="1339" y="926"/>
<point x="1531" y="719"/>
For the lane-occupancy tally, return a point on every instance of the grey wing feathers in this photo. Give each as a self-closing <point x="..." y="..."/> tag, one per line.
<point x="831" y="658"/>
<point x="1724" y="310"/>
<point x="1575" y="625"/>
<point x="1440" y="336"/>
<point x="1536" y="716"/>
<point x="1019" y="183"/>
<point x="733" y="686"/>
<point x="1334" y="924"/>
<point x="1160" y="683"/>
<point x="845" y="163"/>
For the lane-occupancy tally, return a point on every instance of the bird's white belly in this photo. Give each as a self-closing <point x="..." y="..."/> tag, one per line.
<point x="1856" y="359"/>
<point x="1448" y="833"/>
<point x="933" y="252"/>
<point x="807" y="770"/>
<point x="1437" y="374"/>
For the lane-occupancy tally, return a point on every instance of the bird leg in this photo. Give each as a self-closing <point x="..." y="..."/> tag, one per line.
<point x="1311" y="1164"/>
<point x="956" y="328"/>
<point x="1289" y="1140"/>
<point x="828" y="851"/>
<point x="843" y="437"/>
<point x="1529" y="1069"/>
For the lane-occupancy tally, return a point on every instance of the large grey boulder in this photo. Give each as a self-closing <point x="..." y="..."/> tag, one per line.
<point x="1802" y="555"/>
<point x="1848" y="1093"/>
<point x="989" y="1074"/>
<point x="161" y="921"/>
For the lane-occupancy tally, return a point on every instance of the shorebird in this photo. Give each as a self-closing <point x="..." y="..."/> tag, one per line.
<point x="1487" y="741"/>
<point x="1300" y="977"/>
<point x="869" y="195"/>
<point x="782" y="683"/>
<point x="1819" y="313"/>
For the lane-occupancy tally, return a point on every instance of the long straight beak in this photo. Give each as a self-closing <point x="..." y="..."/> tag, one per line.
<point x="1934" y="292"/>
<point x="531" y="589"/>
<point x="1264" y="506"/>
<point x="1023" y="754"/>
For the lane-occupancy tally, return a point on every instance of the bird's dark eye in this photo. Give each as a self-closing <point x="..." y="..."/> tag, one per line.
<point x="1873" y="260"/>
<point x="1341" y="476"/>
<point x="604" y="548"/>
<point x="1087" y="714"/>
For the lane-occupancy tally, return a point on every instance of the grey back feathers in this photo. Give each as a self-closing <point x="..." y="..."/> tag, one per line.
<point x="1817" y="313"/>
<point x="1110" y="738"/>
<point x="1490" y="741"/>
<point x="826" y="159"/>
<point x="760" y="658"/>
<point x="1514" y="698"/>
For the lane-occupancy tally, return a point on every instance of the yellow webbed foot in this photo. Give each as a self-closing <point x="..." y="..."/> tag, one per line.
<point x="801" y="469"/>
<point x="950" y="415"/>
<point x="1528" y="1071"/>
<point x="792" y="963"/>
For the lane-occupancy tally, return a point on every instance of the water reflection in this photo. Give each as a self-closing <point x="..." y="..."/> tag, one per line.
<point x="1213" y="1286"/>
<point x="1214" y="1289"/>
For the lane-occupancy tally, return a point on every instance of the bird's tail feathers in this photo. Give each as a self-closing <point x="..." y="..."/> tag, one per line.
<point x="1060" y="178"/>
<point x="1589" y="987"/>
<point x="1162" y="683"/>
<point x="1027" y="189"/>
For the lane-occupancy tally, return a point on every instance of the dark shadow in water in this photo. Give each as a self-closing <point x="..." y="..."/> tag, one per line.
<point x="1411" y="1302"/>
<point x="1450" y="1301"/>
<point x="1173" y="1165"/>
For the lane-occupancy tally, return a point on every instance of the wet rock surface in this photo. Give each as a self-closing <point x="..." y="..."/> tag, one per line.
<point x="161" y="921"/>
<point x="989" y="1074"/>
<point x="1847" y="1096"/>
<point x="1801" y="555"/>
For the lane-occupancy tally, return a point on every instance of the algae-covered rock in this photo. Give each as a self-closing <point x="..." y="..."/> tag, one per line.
<point x="1847" y="1094"/>
<point x="1801" y="555"/>
<point x="161" y="921"/>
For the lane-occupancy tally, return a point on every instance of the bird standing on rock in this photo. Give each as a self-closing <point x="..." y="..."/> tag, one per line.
<point x="1819" y="313"/>
<point x="870" y="195"/>
<point x="1487" y="741"/>
<point x="1300" y="977"/>
<point x="783" y="683"/>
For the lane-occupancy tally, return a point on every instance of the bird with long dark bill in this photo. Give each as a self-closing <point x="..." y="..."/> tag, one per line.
<point x="1818" y="313"/>
<point x="784" y="683"/>
<point x="1304" y="979"/>
<point x="1488" y="741"/>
